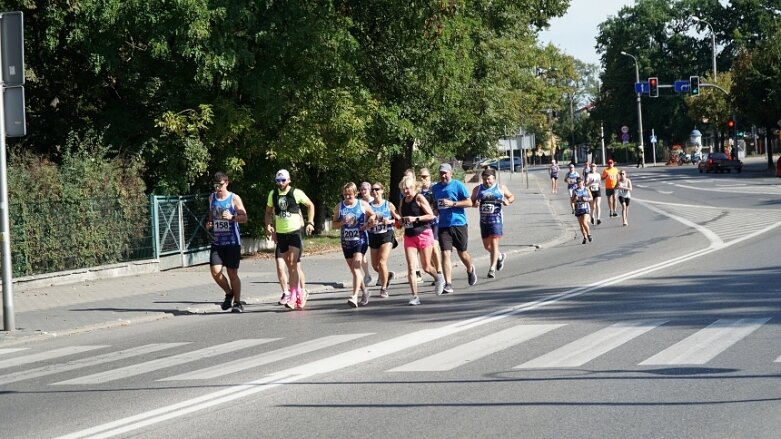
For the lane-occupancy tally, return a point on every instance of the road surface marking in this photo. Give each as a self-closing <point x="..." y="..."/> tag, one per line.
<point x="86" y="362"/>
<point x="265" y="358"/>
<point x="477" y="349"/>
<point x="10" y="350"/>
<point x="704" y="345"/>
<point x="161" y="363"/>
<point x="585" y="349"/>
<point x="32" y="358"/>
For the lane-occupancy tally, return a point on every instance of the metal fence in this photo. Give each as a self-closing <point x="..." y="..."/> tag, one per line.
<point x="49" y="237"/>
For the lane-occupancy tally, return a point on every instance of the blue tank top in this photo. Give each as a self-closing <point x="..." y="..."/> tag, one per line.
<point x="352" y="218"/>
<point x="490" y="200"/>
<point x="226" y="232"/>
<point x="582" y="207"/>
<point x="383" y="213"/>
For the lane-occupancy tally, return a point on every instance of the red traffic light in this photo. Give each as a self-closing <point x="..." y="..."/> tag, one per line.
<point x="653" y="82"/>
<point x="730" y="123"/>
<point x="653" y="86"/>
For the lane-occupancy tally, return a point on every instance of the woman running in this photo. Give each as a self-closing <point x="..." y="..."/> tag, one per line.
<point x="581" y="197"/>
<point x="381" y="236"/>
<point x="624" y="191"/>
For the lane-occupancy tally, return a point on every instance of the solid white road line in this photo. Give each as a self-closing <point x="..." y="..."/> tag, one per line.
<point x="265" y="358"/>
<point x="585" y="349"/>
<point x="704" y="345"/>
<point x="32" y="358"/>
<point x="10" y="350"/>
<point x="477" y="349"/>
<point x="160" y="363"/>
<point x="86" y="362"/>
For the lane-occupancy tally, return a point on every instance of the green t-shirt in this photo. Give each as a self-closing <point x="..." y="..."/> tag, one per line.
<point x="286" y="221"/>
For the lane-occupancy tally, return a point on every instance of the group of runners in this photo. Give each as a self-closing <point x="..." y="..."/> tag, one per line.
<point x="431" y="215"/>
<point x="585" y="193"/>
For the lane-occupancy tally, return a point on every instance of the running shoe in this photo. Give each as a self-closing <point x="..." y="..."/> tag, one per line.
<point x="238" y="308"/>
<point x="414" y="301"/>
<point x="500" y="262"/>
<point x="285" y="298"/>
<point x="472" y="276"/>
<point x="293" y="300"/>
<point x="365" y="298"/>
<point x="599" y="221"/>
<point x="227" y="302"/>
<point x="419" y="277"/>
<point x="491" y="273"/>
<point x="384" y="293"/>
<point x="302" y="298"/>
<point x="592" y="220"/>
<point x="391" y="275"/>
<point x="439" y="285"/>
<point x="367" y="279"/>
<point x="589" y="238"/>
<point x="448" y="288"/>
<point x="626" y="223"/>
<point x="353" y="302"/>
<point x="584" y="241"/>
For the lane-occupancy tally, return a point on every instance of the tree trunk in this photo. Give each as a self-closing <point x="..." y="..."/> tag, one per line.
<point x="399" y="164"/>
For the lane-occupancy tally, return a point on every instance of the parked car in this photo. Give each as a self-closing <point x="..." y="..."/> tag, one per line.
<point x="719" y="162"/>
<point x="502" y="164"/>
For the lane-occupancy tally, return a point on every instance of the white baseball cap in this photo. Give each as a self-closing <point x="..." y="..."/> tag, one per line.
<point x="283" y="174"/>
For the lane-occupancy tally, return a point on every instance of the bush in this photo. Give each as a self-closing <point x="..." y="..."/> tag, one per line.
<point x="89" y="210"/>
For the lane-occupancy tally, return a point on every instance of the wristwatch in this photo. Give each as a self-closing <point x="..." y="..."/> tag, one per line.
<point x="310" y="224"/>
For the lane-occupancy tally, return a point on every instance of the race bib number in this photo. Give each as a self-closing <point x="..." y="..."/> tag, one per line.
<point x="285" y="214"/>
<point x="487" y="209"/>
<point x="351" y="235"/>
<point x="441" y="204"/>
<point x="594" y="187"/>
<point x="581" y="207"/>
<point x="380" y="228"/>
<point x="221" y="226"/>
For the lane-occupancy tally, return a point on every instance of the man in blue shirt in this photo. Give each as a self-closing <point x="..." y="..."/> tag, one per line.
<point x="452" y="197"/>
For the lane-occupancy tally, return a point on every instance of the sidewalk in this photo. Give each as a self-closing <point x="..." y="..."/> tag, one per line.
<point x="531" y="223"/>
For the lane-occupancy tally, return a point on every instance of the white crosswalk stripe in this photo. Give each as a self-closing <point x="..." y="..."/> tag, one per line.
<point x="56" y="353"/>
<point x="585" y="349"/>
<point x="265" y="358"/>
<point x="703" y="346"/>
<point x="477" y="349"/>
<point x="85" y="362"/>
<point x="149" y="366"/>
<point x="10" y="350"/>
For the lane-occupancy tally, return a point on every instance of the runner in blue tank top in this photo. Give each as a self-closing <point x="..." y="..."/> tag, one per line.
<point x="490" y="198"/>
<point x="381" y="236"/>
<point x="354" y="216"/>
<point x="226" y="211"/>
<point x="581" y="198"/>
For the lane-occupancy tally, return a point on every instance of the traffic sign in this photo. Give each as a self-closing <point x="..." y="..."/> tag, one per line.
<point x="641" y="87"/>
<point x="681" y="86"/>
<point x="653" y="139"/>
<point x="625" y="137"/>
<point x="624" y="129"/>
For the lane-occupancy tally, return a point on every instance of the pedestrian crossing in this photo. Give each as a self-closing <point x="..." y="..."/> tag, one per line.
<point x="699" y="346"/>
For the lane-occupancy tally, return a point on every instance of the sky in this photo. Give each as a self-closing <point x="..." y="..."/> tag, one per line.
<point x="576" y="32"/>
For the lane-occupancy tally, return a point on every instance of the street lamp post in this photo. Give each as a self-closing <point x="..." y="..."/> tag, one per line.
<point x="712" y="42"/>
<point x="639" y="108"/>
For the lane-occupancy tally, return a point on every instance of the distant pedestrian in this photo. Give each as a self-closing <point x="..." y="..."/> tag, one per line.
<point x="354" y="216"/>
<point x="639" y="154"/>
<point x="594" y="184"/>
<point x="285" y="222"/>
<point x="610" y="179"/>
<point x="554" y="176"/>
<point x="581" y="197"/>
<point x="382" y="237"/>
<point x="226" y="212"/>
<point x="418" y="237"/>
<point x="572" y="183"/>
<point x="490" y="198"/>
<point x="624" y="189"/>
<point x="452" y="197"/>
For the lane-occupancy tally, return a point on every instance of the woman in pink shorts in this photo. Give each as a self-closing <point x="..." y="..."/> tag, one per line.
<point x="416" y="214"/>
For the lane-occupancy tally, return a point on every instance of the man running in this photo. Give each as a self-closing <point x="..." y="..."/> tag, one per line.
<point x="610" y="177"/>
<point x="226" y="212"/>
<point x="452" y="197"/>
<point x="283" y="218"/>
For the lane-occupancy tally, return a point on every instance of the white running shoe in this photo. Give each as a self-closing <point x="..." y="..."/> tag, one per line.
<point x="414" y="301"/>
<point x="439" y="284"/>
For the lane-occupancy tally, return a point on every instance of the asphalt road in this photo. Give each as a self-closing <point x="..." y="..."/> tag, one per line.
<point x="666" y="328"/>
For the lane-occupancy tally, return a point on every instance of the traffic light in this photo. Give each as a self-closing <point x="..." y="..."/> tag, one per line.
<point x="731" y="126"/>
<point x="653" y="87"/>
<point x="694" y="85"/>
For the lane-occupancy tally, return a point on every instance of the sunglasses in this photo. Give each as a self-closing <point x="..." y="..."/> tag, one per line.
<point x="376" y="189"/>
<point x="281" y="180"/>
<point x="218" y="185"/>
